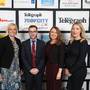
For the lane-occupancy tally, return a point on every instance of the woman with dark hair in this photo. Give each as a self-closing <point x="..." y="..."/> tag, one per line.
<point x="54" y="59"/>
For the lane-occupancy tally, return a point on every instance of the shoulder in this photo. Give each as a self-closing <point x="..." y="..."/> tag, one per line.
<point x="83" y="41"/>
<point x="4" y="39"/>
<point x="28" y="40"/>
<point x="25" y="42"/>
<point x="40" y="41"/>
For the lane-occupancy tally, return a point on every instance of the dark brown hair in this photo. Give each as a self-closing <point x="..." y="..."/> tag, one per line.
<point x="59" y="35"/>
<point x="31" y="26"/>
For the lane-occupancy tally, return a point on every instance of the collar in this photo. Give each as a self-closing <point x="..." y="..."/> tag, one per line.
<point x="33" y="40"/>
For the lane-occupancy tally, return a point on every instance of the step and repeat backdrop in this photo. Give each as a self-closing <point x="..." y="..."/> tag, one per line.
<point x="45" y="14"/>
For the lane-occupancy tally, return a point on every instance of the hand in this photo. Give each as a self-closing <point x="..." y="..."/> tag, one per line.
<point x="21" y="72"/>
<point x="67" y="73"/>
<point x="59" y="74"/>
<point x="34" y="71"/>
<point x="1" y="78"/>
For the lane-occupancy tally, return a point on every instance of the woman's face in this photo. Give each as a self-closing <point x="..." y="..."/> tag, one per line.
<point x="12" y="31"/>
<point x="76" y="31"/>
<point x="53" y="34"/>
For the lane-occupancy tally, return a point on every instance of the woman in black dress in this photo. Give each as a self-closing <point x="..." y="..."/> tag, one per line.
<point x="75" y="57"/>
<point x="54" y="59"/>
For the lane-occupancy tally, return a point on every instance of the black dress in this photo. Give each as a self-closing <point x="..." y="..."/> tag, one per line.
<point x="54" y="61"/>
<point x="75" y="62"/>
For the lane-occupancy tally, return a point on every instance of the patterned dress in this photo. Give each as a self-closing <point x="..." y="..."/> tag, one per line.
<point x="12" y="75"/>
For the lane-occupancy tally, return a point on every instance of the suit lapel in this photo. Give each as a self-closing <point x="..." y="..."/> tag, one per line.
<point x="9" y="42"/>
<point x="37" y="47"/>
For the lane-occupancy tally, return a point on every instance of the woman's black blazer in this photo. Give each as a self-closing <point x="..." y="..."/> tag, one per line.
<point x="7" y="51"/>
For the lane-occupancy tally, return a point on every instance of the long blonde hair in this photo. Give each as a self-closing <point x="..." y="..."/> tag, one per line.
<point x="82" y="34"/>
<point x="12" y="24"/>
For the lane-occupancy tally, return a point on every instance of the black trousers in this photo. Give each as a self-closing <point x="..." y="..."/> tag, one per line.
<point x="75" y="81"/>
<point x="33" y="82"/>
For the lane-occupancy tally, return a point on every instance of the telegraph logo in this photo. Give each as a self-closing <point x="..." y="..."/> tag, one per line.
<point x="2" y="2"/>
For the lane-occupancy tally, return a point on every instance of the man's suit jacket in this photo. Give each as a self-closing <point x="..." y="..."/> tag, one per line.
<point x="27" y="56"/>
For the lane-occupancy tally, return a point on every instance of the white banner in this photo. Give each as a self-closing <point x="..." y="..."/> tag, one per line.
<point x="86" y="4"/>
<point x="24" y="3"/>
<point x="47" y="4"/>
<point x="42" y="19"/>
<point x="6" y="17"/>
<point x="65" y="19"/>
<point x="70" y="4"/>
<point x="88" y="1"/>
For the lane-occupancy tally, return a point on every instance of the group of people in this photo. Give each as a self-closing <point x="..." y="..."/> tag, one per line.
<point x="34" y="58"/>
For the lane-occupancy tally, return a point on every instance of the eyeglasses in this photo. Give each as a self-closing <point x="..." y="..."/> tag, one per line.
<point x="33" y="31"/>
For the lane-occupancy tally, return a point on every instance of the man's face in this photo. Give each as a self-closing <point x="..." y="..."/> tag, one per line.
<point x="33" y="33"/>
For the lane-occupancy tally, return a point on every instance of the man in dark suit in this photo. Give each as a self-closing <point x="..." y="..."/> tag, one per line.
<point x="33" y="60"/>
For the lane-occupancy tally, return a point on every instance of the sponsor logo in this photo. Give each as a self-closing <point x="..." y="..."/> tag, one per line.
<point x="33" y="14"/>
<point x="2" y="2"/>
<point x="5" y="20"/>
<point x="71" y="20"/>
<point x="43" y="20"/>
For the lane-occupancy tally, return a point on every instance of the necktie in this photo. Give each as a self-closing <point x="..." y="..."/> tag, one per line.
<point x="33" y="54"/>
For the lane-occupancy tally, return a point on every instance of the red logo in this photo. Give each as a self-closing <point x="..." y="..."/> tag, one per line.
<point x="3" y="20"/>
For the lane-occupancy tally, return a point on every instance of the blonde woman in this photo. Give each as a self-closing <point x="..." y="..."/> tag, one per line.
<point x="75" y="57"/>
<point x="54" y="59"/>
<point x="9" y="60"/>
